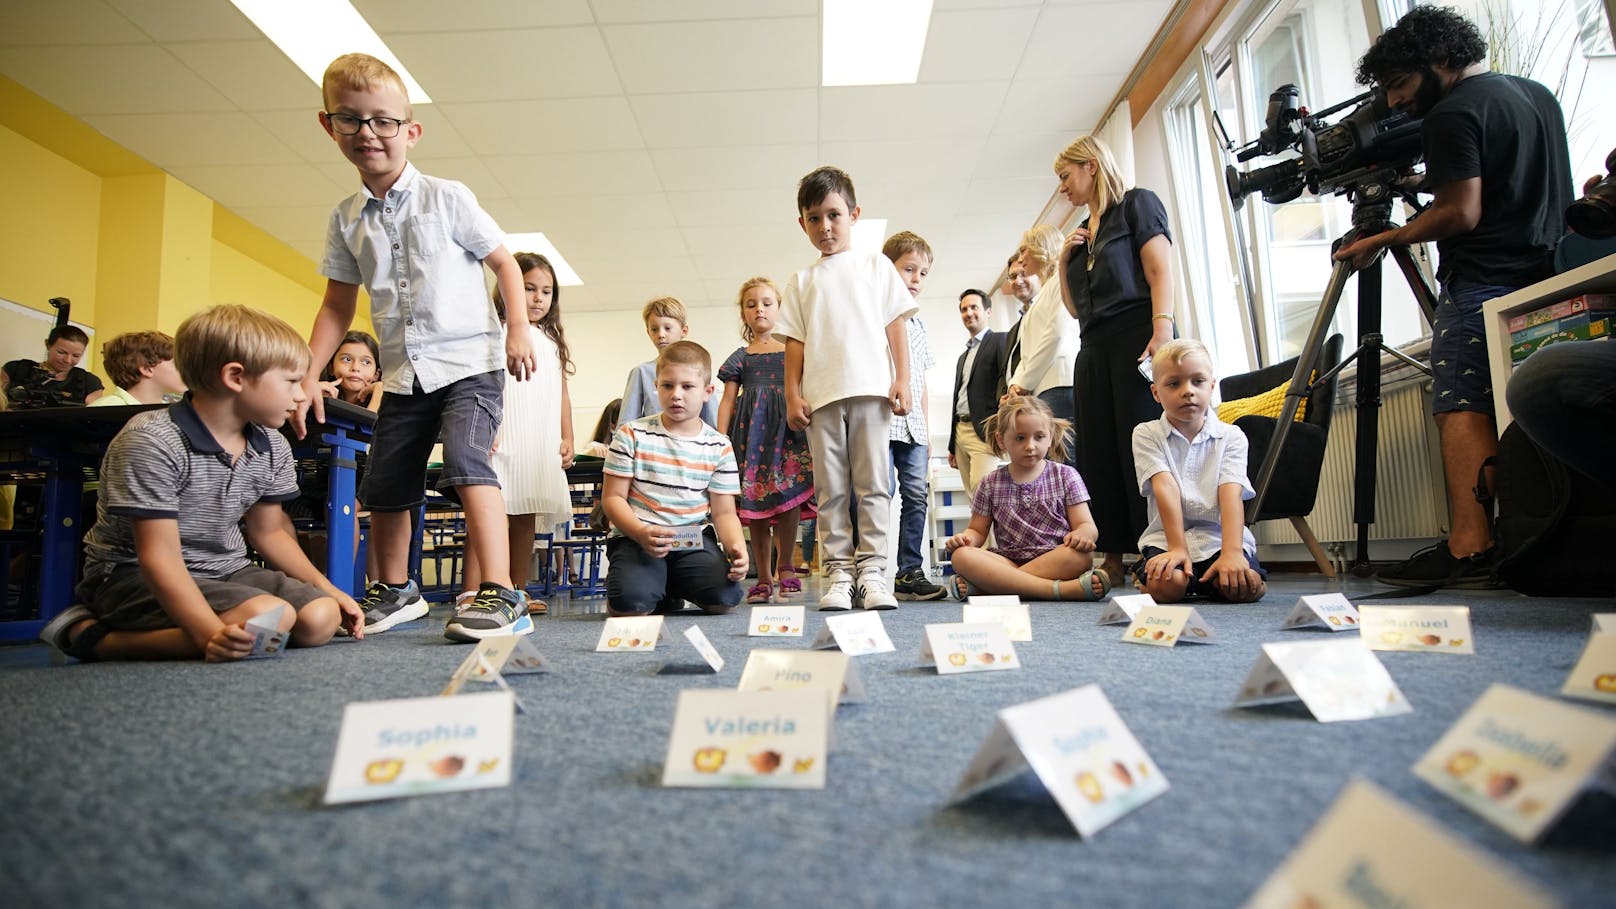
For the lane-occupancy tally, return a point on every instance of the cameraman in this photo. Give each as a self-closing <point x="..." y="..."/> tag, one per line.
<point x="1497" y="163"/>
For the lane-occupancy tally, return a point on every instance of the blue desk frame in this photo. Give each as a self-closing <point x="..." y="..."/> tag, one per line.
<point x="343" y="436"/>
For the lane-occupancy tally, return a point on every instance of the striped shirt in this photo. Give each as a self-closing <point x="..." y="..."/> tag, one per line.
<point x="671" y="477"/>
<point x="165" y="464"/>
<point x="911" y="427"/>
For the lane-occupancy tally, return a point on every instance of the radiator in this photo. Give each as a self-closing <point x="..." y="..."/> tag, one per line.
<point x="1411" y="502"/>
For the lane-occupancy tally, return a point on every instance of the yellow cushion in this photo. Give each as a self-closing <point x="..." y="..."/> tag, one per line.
<point x="1267" y="404"/>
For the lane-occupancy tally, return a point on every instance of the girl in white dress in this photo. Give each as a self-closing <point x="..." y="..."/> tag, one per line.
<point x="534" y="447"/>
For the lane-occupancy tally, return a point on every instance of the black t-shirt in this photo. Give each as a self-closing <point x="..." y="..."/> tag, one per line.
<point x="1509" y="132"/>
<point x="31" y="385"/>
<point x="1112" y="281"/>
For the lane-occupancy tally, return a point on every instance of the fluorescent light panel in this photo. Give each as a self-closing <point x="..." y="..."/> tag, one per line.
<point x="315" y="32"/>
<point x="873" y="42"/>
<point x="869" y="234"/>
<point x="538" y="243"/>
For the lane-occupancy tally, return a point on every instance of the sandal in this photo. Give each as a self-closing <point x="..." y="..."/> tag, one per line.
<point x="958" y="587"/>
<point x="537" y="607"/>
<point x="761" y="592"/>
<point x="1085" y="585"/>
<point x="789" y="583"/>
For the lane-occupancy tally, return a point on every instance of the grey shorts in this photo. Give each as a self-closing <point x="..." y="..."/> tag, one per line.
<point x="466" y="414"/>
<point x="123" y="601"/>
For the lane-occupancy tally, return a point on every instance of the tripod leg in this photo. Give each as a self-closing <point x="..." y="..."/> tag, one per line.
<point x="1368" y="403"/>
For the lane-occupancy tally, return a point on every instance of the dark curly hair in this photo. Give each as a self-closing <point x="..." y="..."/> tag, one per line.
<point x="1427" y="36"/>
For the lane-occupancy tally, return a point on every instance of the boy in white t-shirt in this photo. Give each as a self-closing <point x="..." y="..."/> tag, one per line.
<point x="847" y="373"/>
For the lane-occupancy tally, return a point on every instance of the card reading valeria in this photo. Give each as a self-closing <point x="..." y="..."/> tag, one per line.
<point x="747" y="738"/>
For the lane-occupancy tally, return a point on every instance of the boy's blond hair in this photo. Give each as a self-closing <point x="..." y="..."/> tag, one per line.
<point x="1041" y="245"/>
<point x="230" y="333"/>
<point x="361" y="72"/>
<point x="1027" y="405"/>
<point x="666" y="308"/>
<point x="1176" y="351"/>
<point x="686" y="353"/>
<point x="904" y="242"/>
<point x="127" y="354"/>
<point x="740" y="301"/>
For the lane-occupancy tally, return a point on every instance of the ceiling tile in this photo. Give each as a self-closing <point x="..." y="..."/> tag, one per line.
<point x="621" y="11"/>
<point x="439" y="134"/>
<point x="469" y="170"/>
<point x="1074" y="107"/>
<point x="253" y="74"/>
<point x="598" y="212"/>
<point x="739" y="118"/>
<point x="736" y="207"/>
<point x="965" y="109"/>
<point x="781" y="239"/>
<point x="509" y="64"/>
<point x="978" y="44"/>
<point x="624" y="243"/>
<point x="615" y="271"/>
<point x="905" y="159"/>
<point x="551" y="126"/>
<point x="189" y="20"/>
<point x="714" y="55"/>
<point x="1026" y="195"/>
<point x="1024" y="156"/>
<point x="399" y="16"/>
<point x="59" y="22"/>
<point x="777" y="167"/>
<point x="300" y="131"/>
<point x="118" y="79"/>
<point x="578" y="174"/>
<point x="267" y="186"/>
<point x="193" y="139"/>
<point x="1127" y="27"/>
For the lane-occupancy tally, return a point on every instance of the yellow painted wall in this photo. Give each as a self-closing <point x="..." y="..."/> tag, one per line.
<point x="49" y="228"/>
<point x="239" y="278"/>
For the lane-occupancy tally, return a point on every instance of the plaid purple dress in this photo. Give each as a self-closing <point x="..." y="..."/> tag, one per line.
<point x="1029" y="519"/>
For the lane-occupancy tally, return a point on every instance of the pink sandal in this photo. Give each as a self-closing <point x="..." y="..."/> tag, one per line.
<point x="761" y="592"/>
<point x="789" y="582"/>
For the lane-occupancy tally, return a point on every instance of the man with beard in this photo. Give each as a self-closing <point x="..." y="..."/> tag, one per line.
<point x="1496" y="162"/>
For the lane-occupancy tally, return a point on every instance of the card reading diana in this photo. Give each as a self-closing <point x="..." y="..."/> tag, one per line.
<point x="1330" y="611"/>
<point x="1426" y="629"/>
<point x="1369" y="849"/>
<point x="787" y="670"/>
<point x="1122" y="608"/>
<point x="1164" y="626"/>
<point x="631" y="633"/>
<point x="1338" y="679"/>
<point x="1520" y="760"/>
<point x="968" y="647"/>
<point x="1080" y="749"/>
<point x="1007" y="611"/>
<point x="775" y="621"/>
<point x="747" y="738"/>
<point x="1594" y="676"/>
<point x="855" y="634"/>
<point x="269" y="642"/>
<point x="416" y="746"/>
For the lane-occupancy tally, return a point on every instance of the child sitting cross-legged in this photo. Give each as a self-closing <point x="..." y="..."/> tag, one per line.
<point x="1038" y="511"/>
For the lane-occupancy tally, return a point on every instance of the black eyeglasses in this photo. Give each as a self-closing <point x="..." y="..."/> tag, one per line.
<point x="380" y="127"/>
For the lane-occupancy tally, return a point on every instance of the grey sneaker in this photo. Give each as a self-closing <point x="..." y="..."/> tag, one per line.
<point x="838" y="595"/>
<point x="872" y="591"/>
<point x="914" y="585"/>
<point x="385" y="606"/>
<point x="55" y="633"/>
<point x="495" y="611"/>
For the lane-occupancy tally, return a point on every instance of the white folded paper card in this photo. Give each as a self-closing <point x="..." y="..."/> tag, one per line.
<point x="1425" y="629"/>
<point x="786" y="670"/>
<point x="1120" y="609"/>
<point x="1370" y="849"/>
<point x="968" y="647"/>
<point x="748" y="739"/>
<point x="632" y="633"/>
<point x="1594" y="676"/>
<point x="1080" y="749"/>
<point x="687" y="536"/>
<point x="1008" y="611"/>
<point x="1521" y="760"/>
<point x="774" y="621"/>
<point x="698" y="640"/>
<point x="415" y="746"/>
<point x="1605" y="622"/>
<point x="1330" y="611"/>
<point x="854" y="633"/>
<point x="1338" y="679"/>
<point x="269" y="642"/>
<point x="1164" y="626"/>
<point x="485" y="660"/>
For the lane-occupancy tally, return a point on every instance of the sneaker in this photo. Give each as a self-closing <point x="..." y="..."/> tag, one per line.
<point x="1437" y="567"/>
<point x="495" y="611"/>
<point x="55" y="632"/>
<point x="914" y="585"/>
<point x="385" y="606"/>
<point x="838" y="595"/>
<point x="873" y="592"/>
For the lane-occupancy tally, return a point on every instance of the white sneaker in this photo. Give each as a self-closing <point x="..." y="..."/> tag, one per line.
<point x="873" y="591"/>
<point x="838" y="595"/>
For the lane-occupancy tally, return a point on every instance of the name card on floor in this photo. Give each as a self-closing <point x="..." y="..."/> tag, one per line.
<point x="1594" y="676"/>
<point x="775" y="621"/>
<point x="1080" y="749"/>
<point x="747" y="738"/>
<point x="1370" y="849"/>
<point x="968" y="647"/>
<point x="698" y="640"/>
<point x="482" y="663"/>
<point x="524" y="658"/>
<point x="1605" y="622"/>
<point x="1164" y="626"/>
<point x="855" y="634"/>
<point x="632" y="633"/>
<point x="1427" y="629"/>
<point x="1008" y="611"/>
<point x="788" y="670"/>
<point x="1121" y="609"/>
<point x="1520" y="760"/>
<point x="269" y="642"/>
<point x="1330" y="611"/>
<point x="415" y="746"/>
<point x="1337" y="679"/>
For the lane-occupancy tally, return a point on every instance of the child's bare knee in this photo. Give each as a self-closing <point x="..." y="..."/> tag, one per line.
<point x="316" y="622"/>
<point x="1166" y="591"/>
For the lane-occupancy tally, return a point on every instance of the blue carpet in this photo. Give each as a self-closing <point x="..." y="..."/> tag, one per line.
<point x="198" y="785"/>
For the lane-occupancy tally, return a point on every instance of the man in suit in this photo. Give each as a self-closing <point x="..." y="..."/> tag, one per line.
<point x="976" y="391"/>
<point x="1023" y="287"/>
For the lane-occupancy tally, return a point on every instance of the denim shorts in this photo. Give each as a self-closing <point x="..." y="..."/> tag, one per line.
<point x="465" y="413"/>
<point x="1461" y="378"/>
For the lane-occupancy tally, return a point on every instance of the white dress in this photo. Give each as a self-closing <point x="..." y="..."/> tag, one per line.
<point x="528" y="461"/>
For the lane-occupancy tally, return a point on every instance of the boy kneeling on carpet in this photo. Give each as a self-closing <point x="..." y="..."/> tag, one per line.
<point x="665" y="474"/>
<point x="1192" y="472"/>
<point x="166" y="574"/>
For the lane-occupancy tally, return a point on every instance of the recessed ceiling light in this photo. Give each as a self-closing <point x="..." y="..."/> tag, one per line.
<point x="869" y="234"/>
<point x="540" y="244"/>
<point x="315" y="32"/>
<point x="873" y="42"/>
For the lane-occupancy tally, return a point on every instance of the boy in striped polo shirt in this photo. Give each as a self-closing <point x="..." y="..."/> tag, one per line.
<point x="667" y="476"/>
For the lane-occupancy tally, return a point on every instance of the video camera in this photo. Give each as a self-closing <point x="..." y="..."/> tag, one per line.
<point x="1594" y="215"/>
<point x="1364" y="152"/>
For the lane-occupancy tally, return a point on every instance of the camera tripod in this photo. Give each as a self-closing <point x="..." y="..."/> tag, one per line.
<point x="1371" y="214"/>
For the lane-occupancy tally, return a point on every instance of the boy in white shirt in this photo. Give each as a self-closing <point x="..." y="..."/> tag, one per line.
<point x="847" y="374"/>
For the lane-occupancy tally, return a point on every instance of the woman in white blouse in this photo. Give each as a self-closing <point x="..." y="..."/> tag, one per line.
<point x="1049" y="335"/>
